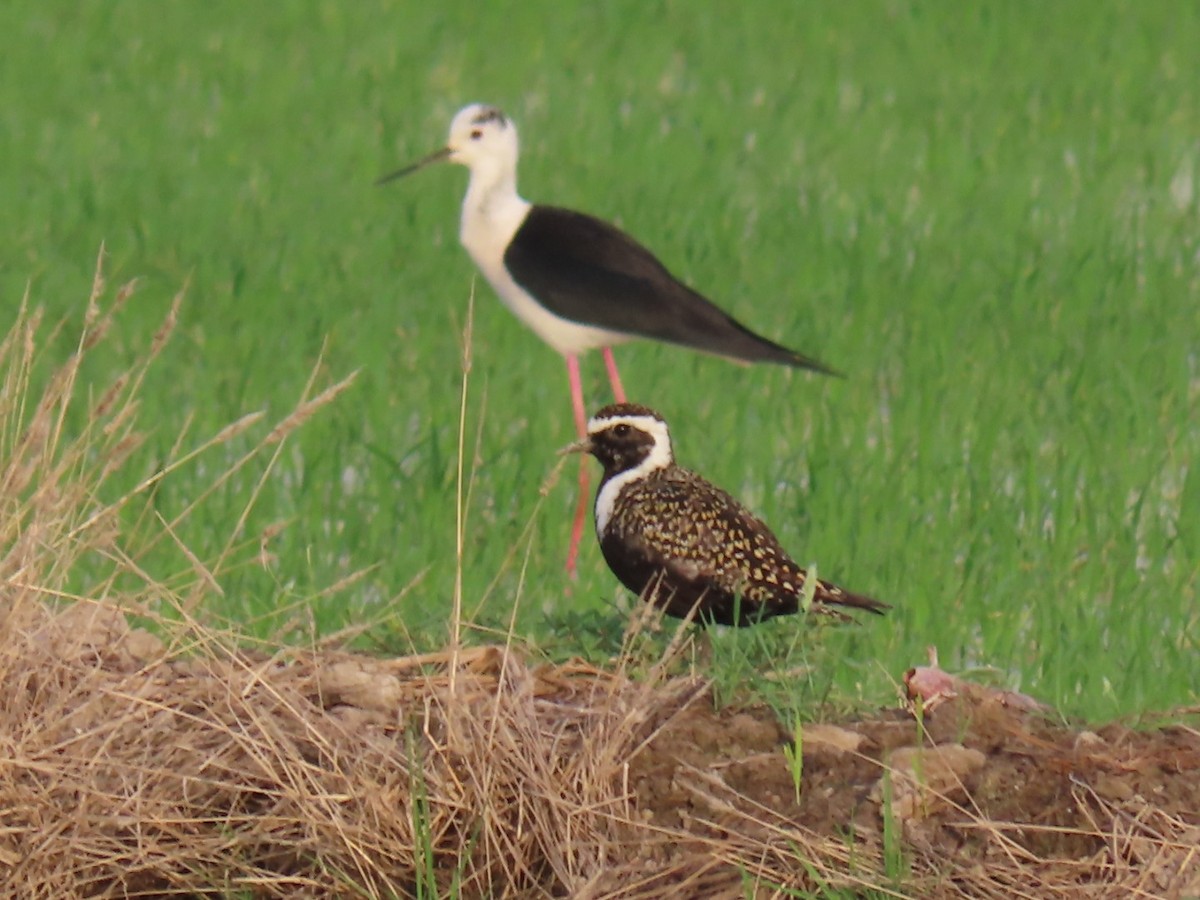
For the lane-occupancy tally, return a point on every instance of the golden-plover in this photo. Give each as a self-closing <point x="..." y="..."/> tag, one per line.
<point x="674" y="538"/>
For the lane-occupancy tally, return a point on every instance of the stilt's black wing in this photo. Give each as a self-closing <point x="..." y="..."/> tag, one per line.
<point x="587" y="271"/>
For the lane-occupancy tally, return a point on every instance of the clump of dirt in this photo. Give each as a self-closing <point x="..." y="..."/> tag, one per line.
<point x="976" y="780"/>
<point x="133" y="767"/>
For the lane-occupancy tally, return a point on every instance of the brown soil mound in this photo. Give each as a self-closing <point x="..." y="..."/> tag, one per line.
<point x="130" y="769"/>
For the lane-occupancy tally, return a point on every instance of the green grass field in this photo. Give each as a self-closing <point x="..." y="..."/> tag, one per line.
<point x="988" y="216"/>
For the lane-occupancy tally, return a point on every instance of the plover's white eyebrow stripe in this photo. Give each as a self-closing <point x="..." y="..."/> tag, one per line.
<point x="640" y="422"/>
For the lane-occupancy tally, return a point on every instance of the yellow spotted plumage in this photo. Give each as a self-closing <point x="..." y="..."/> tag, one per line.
<point x="673" y="537"/>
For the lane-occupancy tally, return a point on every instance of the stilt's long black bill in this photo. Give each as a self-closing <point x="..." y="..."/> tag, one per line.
<point x="437" y="156"/>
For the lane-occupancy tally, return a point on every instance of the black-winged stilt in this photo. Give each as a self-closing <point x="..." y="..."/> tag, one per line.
<point x="578" y="282"/>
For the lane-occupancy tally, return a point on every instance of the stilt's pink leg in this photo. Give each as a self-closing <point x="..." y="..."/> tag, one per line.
<point x="581" y="431"/>
<point x="576" y="395"/>
<point x="614" y="377"/>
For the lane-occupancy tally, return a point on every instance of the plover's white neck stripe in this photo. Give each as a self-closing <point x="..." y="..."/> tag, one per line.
<point x="659" y="457"/>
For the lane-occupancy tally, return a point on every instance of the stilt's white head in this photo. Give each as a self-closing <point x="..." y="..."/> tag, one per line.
<point x="483" y="139"/>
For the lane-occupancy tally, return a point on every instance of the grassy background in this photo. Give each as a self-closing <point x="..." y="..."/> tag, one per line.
<point x="988" y="216"/>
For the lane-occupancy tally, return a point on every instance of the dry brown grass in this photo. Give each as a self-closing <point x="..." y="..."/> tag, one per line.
<point x="179" y="762"/>
<point x="129" y="770"/>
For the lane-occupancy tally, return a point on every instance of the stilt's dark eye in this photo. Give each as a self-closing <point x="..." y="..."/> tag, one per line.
<point x="476" y="134"/>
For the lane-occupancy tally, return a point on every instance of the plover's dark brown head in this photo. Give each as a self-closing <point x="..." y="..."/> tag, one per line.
<point x="626" y="437"/>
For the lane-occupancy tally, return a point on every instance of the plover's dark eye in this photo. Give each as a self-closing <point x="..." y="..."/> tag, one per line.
<point x="476" y="133"/>
<point x="621" y="430"/>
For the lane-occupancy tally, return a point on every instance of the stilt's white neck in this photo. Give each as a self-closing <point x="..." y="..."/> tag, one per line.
<point x="492" y="211"/>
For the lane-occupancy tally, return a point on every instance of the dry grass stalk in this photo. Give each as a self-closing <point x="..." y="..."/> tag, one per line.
<point x="60" y="453"/>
